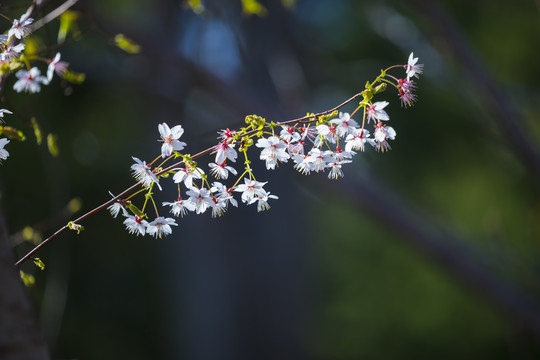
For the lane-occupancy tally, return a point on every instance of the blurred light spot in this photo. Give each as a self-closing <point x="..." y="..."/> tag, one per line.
<point x="322" y="23"/>
<point x="286" y="72"/>
<point x="211" y="44"/>
<point x="86" y="148"/>
<point x="401" y="31"/>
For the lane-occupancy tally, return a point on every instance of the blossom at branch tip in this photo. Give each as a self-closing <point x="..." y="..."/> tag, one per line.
<point x="375" y="111"/>
<point x="2" y="112"/>
<point x="3" y="152"/>
<point x="170" y="139"/>
<point x="56" y="66"/>
<point x="143" y="174"/>
<point x="29" y="81"/>
<point x="135" y="224"/>
<point x="21" y="28"/>
<point x="412" y="68"/>
<point x="160" y="226"/>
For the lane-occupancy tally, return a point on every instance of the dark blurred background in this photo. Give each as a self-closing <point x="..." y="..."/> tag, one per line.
<point x="428" y="251"/>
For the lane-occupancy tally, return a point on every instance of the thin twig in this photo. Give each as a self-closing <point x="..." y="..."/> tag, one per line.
<point x="53" y="14"/>
<point x="78" y="220"/>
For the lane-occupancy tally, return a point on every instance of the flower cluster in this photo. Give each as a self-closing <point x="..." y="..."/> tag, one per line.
<point x="314" y="143"/>
<point x="13" y="58"/>
<point x="16" y="58"/>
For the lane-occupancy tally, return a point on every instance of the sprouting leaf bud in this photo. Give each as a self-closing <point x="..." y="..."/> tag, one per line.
<point x="39" y="263"/>
<point x="380" y="88"/>
<point x="76" y="227"/>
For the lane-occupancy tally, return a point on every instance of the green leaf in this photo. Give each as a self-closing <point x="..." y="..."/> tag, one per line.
<point x="37" y="131"/>
<point x="196" y="5"/>
<point x="74" y="77"/>
<point x="253" y="7"/>
<point x="52" y="144"/>
<point x="67" y="24"/>
<point x="127" y="44"/>
<point x="27" y="279"/>
<point x="12" y="133"/>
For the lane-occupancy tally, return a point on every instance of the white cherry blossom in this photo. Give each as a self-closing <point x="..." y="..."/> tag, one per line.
<point x="170" y="139"/>
<point x="2" y="112"/>
<point x="289" y="134"/>
<point x="250" y="189"/>
<point x="3" y="152"/>
<point x="56" y="66"/>
<point x="376" y="112"/>
<point x="412" y="68"/>
<point x="160" y="226"/>
<point x="143" y="173"/>
<point x="382" y="134"/>
<point x="201" y="199"/>
<point x="11" y="52"/>
<point x="225" y="151"/>
<point x="326" y="133"/>
<point x="180" y="207"/>
<point x="262" y="201"/>
<point x="21" y="28"/>
<point x="135" y="224"/>
<point x="29" y="81"/>
<point x="187" y="175"/>
<point x="345" y="124"/>
<point x="221" y="192"/>
<point x="221" y="171"/>
<point x="357" y="139"/>
<point x="273" y="150"/>
<point x="335" y="169"/>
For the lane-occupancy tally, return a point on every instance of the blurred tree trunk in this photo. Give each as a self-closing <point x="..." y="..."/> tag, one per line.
<point x="20" y="337"/>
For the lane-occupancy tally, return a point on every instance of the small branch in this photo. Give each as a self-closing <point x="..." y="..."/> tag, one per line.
<point x="53" y="14"/>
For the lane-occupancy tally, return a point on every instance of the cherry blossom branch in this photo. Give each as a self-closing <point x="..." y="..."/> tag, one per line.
<point x="288" y="145"/>
<point x="129" y="190"/>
